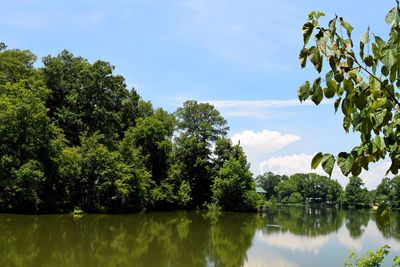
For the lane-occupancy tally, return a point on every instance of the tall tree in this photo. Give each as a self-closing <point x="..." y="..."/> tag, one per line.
<point x="30" y="142"/>
<point x="199" y="125"/>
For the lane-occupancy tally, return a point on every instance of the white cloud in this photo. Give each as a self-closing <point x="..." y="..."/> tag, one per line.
<point x="288" y="165"/>
<point x="262" y="142"/>
<point x="258" y="108"/>
<point x="267" y="103"/>
<point x="301" y="163"/>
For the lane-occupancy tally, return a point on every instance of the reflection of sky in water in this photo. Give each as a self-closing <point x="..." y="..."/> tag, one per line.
<point x="282" y="237"/>
<point x="293" y="242"/>
<point x="283" y="248"/>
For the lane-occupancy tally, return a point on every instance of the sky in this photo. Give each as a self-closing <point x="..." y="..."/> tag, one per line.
<point x="241" y="56"/>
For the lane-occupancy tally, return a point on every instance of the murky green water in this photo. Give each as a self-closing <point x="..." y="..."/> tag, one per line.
<point x="278" y="237"/>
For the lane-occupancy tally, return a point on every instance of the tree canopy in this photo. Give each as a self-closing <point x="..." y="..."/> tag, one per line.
<point x="72" y="135"/>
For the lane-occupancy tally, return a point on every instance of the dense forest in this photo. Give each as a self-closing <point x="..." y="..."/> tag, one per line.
<point x="72" y="135"/>
<point x="312" y="188"/>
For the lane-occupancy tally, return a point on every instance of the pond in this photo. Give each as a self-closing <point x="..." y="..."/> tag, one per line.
<point x="285" y="236"/>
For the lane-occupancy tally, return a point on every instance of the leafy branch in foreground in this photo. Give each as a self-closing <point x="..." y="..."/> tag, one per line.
<point x="371" y="259"/>
<point x="363" y="84"/>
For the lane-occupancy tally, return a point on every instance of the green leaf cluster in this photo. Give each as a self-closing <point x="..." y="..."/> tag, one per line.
<point x="364" y="87"/>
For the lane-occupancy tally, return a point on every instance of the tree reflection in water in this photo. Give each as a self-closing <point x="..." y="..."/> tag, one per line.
<point x="170" y="238"/>
<point x="153" y="239"/>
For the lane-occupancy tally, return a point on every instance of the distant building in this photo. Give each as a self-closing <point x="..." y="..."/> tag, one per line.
<point x="261" y="191"/>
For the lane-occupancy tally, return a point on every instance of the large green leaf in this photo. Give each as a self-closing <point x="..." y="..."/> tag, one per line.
<point x="345" y="162"/>
<point x="315" y="58"/>
<point x="388" y="57"/>
<point x="304" y="91"/>
<point x="360" y="101"/>
<point x="378" y="144"/>
<point x="315" y="15"/>
<point x="316" y="160"/>
<point x="307" y="31"/>
<point x="331" y="88"/>
<point x="379" y="116"/>
<point x="327" y="162"/>
<point x="317" y="93"/>
<point x="347" y="26"/>
<point x="365" y="37"/>
<point x="392" y="18"/>
<point x="337" y="104"/>
<point x="378" y="40"/>
<point x="347" y="106"/>
<point x="303" y="57"/>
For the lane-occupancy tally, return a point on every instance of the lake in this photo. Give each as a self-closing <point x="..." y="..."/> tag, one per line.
<point x="286" y="236"/>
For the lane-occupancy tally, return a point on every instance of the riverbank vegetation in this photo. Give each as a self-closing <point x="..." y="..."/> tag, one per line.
<point x="316" y="189"/>
<point x="73" y="136"/>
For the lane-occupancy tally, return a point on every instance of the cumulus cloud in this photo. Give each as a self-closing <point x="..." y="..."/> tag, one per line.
<point x="301" y="163"/>
<point x="262" y="142"/>
<point x="288" y="164"/>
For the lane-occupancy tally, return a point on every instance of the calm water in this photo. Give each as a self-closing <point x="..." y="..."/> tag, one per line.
<point x="278" y="237"/>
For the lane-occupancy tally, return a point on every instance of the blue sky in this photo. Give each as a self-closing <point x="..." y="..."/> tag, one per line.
<point x="239" y="55"/>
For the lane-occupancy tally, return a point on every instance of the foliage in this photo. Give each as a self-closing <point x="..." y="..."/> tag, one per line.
<point x="72" y="135"/>
<point x="371" y="259"/>
<point x="363" y="86"/>
<point x="356" y="195"/>
<point x="268" y="181"/>
<point x="388" y="192"/>
<point x="184" y="196"/>
<point x="233" y="187"/>
<point x="201" y="120"/>
<point x="301" y="188"/>
<point x="88" y="98"/>
<point x="199" y="125"/>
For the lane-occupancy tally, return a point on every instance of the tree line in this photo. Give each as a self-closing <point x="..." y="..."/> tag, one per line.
<point x="72" y="135"/>
<point x="312" y="188"/>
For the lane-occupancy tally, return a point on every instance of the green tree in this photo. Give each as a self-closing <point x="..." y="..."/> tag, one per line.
<point x="101" y="180"/>
<point x="202" y="121"/>
<point x="363" y="83"/>
<point x="291" y="190"/>
<point x="199" y="125"/>
<point x="152" y="136"/>
<point x="29" y="141"/>
<point x="394" y="197"/>
<point x="234" y="187"/>
<point x="383" y="191"/>
<point x="356" y="195"/>
<point x="316" y="188"/>
<point x="268" y="181"/>
<point x="335" y="191"/>
<point x="88" y="97"/>
<point x="16" y="65"/>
